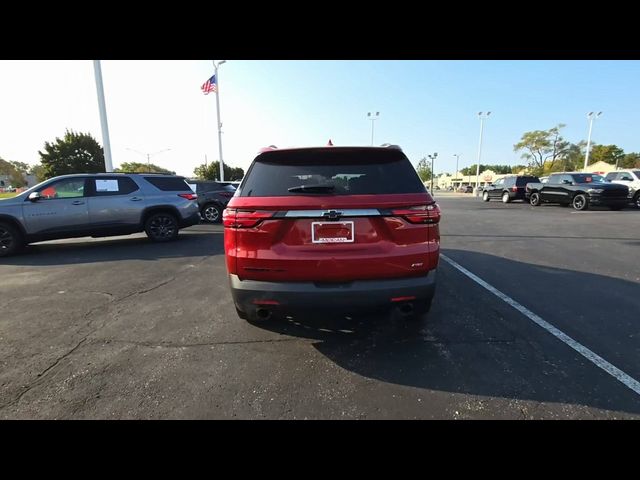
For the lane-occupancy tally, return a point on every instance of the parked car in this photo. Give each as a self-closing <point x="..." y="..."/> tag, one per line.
<point x="345" y="227"/>
<point x="580" y="190"/>
<point x="508" y="188"/>
<point x="212" y="198"/>
<point x="630" y="178"/>
<point x="98" y="205"/>
<point x="468" y="189"/>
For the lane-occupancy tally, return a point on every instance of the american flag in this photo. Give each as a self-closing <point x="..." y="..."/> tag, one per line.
<point x="209" y="86"/>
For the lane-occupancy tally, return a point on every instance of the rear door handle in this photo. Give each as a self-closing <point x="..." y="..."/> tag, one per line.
<point x="77" y="202"/>
<point x="135" y="199"/>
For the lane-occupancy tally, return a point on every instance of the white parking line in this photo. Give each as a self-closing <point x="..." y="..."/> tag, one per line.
<point x="594" y="358"/>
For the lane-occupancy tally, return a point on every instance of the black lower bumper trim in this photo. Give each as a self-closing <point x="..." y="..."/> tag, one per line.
<point x="356" y="294"/>
<point x="191" y="220"/>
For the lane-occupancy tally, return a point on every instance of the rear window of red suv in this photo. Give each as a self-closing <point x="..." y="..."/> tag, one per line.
<point x="331" y="172"/>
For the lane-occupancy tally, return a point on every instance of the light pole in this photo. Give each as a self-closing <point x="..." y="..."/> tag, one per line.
<point x="148" y="155"/>
<point x="457" y="158"/>
<point x="108" y="163"/>
<point x="591" y="118"/>
<point x="372" y="117"/>
<point x="482" y="116"/>
<point x="215" y="67"/>
<point x="432" y="157"/>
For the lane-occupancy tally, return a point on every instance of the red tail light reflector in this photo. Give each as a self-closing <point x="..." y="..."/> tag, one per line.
<point x="514" y="189"/>
<point x="402" y="299"/>
<point x="266" y="302"/>
<point x="419" y="213"/>
<point x="244" y="219"/>
<point x="189" y="196"/>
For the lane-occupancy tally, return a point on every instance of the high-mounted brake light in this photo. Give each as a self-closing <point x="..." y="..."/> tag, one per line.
<point x="189" y="196"/>
<point x="243" y="218"/>
<point x="419" y="214"/>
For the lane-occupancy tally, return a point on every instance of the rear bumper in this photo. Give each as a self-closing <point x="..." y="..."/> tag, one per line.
<point x="361" y="294"/>
<point x="192" y="219"/>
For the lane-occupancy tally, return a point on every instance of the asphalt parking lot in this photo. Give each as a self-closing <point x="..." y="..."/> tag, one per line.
<point x="122" y="328"/>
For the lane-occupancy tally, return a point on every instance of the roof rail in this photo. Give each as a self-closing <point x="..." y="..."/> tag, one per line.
<point x="388" y="145"/>
<point x="268" y="149"/>
<point x="137" y="173"/>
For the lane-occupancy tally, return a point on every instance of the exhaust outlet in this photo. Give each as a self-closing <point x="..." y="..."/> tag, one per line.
<point x="406" y="308"/>
<point x="263" y="314"/>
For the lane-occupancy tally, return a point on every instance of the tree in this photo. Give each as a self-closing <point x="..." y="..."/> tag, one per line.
<point x="606" y="153"/>
<point x="211" y="171"/>
<point x="137" y="167"/>
<point x="15" y="177"/>
<point x="74" y="153"/>
<point x="38" y="172"/>
<point x="516" y="169"/>
<point x="542" y="148"/>
<point x="424" y="169"/>
<point x="20" y="166"/>
<point x="631" y="160"/>
<point x="571" y="160"/>
<point x="499" y="169"/>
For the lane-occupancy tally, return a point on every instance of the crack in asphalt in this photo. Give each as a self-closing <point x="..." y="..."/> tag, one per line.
<point x="42" y="377"/>
<point x="186" y="345"/>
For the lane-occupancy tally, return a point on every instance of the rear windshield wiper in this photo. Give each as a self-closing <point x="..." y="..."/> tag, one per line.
<point x="312" y="188"/>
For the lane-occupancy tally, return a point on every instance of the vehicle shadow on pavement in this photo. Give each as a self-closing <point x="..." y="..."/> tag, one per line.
<point x="473" y="343"/>
<point x="196" y="241"/>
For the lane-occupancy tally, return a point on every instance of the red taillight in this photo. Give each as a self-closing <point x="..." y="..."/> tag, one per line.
<point x="266" y="302"/>
<point x="514" y="189"/>
<point x="189" y="196"/>
<point x="419" y="213"/>
<point x="402" y="299"/>
<point x="243" y="218"/>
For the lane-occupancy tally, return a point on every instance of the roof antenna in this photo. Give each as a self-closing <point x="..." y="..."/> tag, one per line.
<point x="330" y="144"/>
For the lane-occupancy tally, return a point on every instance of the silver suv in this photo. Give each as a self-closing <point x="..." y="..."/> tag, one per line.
<point x="98" y="205"/>
<point x="630" y="178"/>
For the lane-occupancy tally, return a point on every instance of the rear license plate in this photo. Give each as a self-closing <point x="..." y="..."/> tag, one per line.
<point x="332" y="232"/>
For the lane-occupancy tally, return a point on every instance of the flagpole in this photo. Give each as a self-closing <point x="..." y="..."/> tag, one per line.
<point x="218" y="112"/>
<point x="108" y="164"/>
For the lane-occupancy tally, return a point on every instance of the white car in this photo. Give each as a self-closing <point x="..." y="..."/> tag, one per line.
<point x="630" y="178"/>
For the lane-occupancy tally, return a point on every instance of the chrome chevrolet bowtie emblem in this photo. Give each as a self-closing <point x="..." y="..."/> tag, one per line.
<point x="332" y="215"/>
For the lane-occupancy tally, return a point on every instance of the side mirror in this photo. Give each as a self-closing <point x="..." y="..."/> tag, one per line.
<point x="34" y="196"/>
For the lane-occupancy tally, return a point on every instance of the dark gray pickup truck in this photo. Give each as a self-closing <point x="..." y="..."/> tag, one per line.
<point x="579" y="190"/>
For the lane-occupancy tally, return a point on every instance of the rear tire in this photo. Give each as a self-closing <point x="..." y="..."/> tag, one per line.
<point x="534" y="199"/>
<point x="506" y="198"/>
<point x="10" y="239"/>
<point x="580" y="202"/>
<point x="485" y="196"/>
<point x="420" y="310"/>
<point x="211" y="213"/>
<point x="636" y="199"/>
<point x="161" y="227"/>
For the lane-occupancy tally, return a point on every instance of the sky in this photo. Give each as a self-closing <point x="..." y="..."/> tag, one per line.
<point x="425" y="106"/>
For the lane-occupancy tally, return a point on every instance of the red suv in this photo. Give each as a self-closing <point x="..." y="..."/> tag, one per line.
<point x="344" y="227"/>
